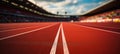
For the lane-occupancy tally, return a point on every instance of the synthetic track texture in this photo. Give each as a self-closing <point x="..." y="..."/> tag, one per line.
<point x="80" y="39"/>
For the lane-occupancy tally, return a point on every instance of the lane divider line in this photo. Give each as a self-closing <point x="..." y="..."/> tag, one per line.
<point x="101" y="26"/>
<point x="54" y="46"/>
<point x="26" y="32"/>
<point x="98" y="29"/>
<point x="65" y="47"/>
<point x="17" y="29"/>
<point x="107" y="27"/>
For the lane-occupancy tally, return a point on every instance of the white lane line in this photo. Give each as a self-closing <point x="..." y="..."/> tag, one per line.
<point x="104" y="27"/>
<point x="17" y="29"/>
<point x="65" y="47"/>
<point x="99" y="29"/>
<point x="109" y="27"/>
<point x="54" y="46"/>
<point x="26" y="32"/>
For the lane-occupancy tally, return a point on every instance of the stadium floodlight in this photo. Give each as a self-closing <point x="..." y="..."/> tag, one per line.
<point x="65" y="12"/>
<point x="15" y="4"/>
<point x="57" y="13"/>
<point x="6" y="1"/>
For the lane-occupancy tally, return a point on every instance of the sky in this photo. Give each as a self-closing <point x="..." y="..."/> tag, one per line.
<point x="72" y="7"/>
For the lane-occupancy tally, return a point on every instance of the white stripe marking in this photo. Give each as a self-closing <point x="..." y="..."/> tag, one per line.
<point x="16" y="29"/>
<point x="54" y="46"/>
<point x="103" y="26"/>
<point x="65" y="47"/>
<point x="24" y="32"/>
<point x="98" y="29"/>
<point x="109" y="27"/>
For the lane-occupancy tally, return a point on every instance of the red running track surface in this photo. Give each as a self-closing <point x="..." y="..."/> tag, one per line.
<point x="39" y="38"/>
<point x="104" y="25"/>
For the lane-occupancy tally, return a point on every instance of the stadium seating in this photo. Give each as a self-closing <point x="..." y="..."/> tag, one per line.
<point x="110" y="16"/>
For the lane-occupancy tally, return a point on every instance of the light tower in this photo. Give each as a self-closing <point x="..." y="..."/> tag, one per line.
<point x="65" y="13"/>
<point x="57" y="13"/>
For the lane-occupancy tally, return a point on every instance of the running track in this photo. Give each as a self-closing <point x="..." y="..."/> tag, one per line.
<point x="59" y="38"/>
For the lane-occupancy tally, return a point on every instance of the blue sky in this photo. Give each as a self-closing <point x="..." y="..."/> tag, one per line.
<point x="73" y="7"/>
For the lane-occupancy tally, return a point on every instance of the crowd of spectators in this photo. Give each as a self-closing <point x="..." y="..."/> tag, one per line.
<point x="10" y="13"/>
<point x="110" y="16"/>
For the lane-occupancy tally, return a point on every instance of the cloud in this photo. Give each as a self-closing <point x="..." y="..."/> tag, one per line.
<point x="75" y="1"/>
<point x="33" y="1"/>
<point x="43" y="4"/>
<point x="50" y="0"/>
<point x="55" y="10"/>
<point x="63" y="3"/>
<point x="80" y="10"/>
<point x="73" y="7"/>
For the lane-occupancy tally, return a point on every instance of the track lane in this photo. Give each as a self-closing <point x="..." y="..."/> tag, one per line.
<point x="38" y="42"/>
<point x="12" y="26"/>
<point x="83" y="40"/>
<point x="14" y="32"/>
<point x="15" y="25"/>
<point x="60" y="45"/>
<point x="106" y="26"/>
<point x="80" y="40"/>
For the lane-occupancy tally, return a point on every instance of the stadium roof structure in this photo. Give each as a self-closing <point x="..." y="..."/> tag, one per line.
<point x="30" y="5"/>
<point x="111" y="5"/>
<point x="26" y="4"/>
